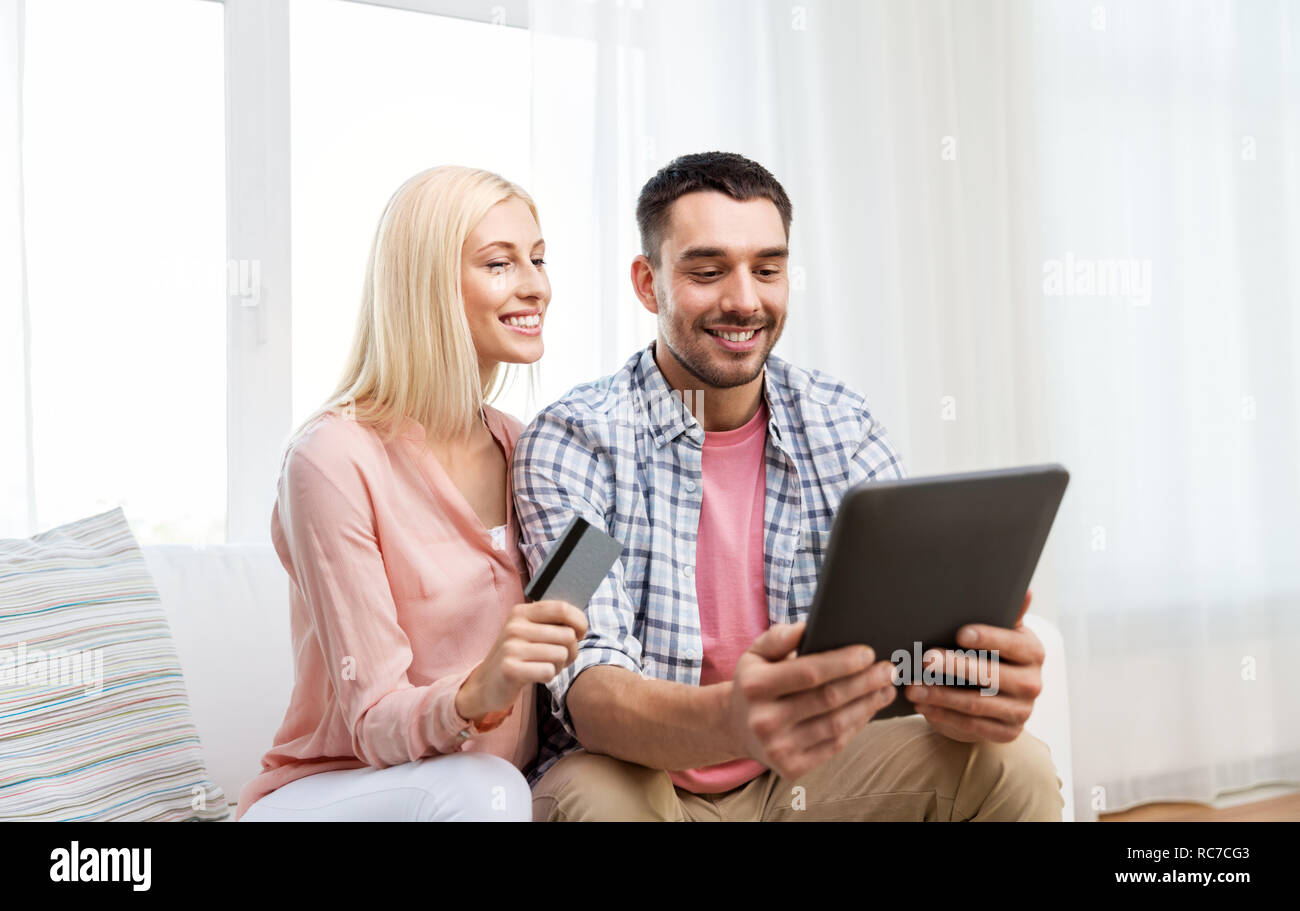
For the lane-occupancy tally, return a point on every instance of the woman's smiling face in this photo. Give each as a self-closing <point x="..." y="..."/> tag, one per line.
<point x="503" y="280"/>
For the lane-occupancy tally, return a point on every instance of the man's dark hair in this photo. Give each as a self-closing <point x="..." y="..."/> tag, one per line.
<point x="725" y="172"/>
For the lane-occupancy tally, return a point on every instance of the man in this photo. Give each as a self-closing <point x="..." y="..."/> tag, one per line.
<point x="719" y="469"/>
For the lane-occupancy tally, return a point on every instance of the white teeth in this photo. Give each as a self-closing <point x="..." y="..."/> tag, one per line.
<point x="525" y="322"/>
<point x="735" y="336"/>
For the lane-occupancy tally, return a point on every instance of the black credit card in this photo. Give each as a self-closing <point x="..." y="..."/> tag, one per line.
<point x="576" y="566"/>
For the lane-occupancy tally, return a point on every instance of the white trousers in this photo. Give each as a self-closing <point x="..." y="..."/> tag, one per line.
<point x="471" y="787"/>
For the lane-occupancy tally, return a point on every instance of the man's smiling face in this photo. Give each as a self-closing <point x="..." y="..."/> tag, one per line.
<point x="721" y="287"/>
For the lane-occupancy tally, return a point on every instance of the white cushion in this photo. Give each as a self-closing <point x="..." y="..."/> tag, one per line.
<point x="1050" y="721"/>
<point x="228" y="606"/>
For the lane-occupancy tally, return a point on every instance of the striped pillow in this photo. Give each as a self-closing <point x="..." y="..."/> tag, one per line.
<point x="94" y="719"/>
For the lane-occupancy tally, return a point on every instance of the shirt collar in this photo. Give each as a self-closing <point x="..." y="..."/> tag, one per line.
<point x="668" y="416"/>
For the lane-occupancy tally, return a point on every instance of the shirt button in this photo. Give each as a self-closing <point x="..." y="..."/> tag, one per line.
<point x="690" y="487"/>
<point x="692" y="653"/>
<point x="688" y="570"/>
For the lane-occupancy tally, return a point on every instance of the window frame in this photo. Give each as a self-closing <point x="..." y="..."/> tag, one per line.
<point x="259" y="337"/>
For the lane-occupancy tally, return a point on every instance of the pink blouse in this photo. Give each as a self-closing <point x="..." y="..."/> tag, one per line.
<point x="397" y="591"/>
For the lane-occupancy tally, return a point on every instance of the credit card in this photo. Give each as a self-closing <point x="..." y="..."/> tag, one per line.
<point x="576" y="566"/>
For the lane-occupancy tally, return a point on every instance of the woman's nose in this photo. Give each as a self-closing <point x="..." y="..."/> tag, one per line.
<point x="534" y="283"/>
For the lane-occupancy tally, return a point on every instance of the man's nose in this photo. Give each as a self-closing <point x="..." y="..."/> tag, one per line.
<point x="741" y="295"/>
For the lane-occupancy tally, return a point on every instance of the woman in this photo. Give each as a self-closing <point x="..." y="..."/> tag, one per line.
<point x="415" y="656"/>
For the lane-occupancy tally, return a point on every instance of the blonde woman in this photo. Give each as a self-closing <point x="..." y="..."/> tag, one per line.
<point x="415" y="657"/>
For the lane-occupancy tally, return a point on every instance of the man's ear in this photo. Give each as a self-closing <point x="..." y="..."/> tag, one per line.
<point x="643" y="282"/>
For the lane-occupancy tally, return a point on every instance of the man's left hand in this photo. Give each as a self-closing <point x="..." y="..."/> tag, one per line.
<point x="967" y="715"/>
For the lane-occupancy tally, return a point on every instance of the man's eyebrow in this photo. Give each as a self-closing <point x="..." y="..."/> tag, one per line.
<point x="700" y="253"/>
<point x="719" y="253"/>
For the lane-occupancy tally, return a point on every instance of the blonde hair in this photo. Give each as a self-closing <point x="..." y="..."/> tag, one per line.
<point x="412" y="354"/>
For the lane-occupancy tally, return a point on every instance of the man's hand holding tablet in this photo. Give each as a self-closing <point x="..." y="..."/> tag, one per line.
<point x="966" y="714"/>
<point x="929" y="572"/>
<point x="792" y="713"/>
<point x="795" y="712"/>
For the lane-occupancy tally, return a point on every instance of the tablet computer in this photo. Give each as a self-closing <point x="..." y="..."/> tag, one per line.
<point x="912" y="561"/>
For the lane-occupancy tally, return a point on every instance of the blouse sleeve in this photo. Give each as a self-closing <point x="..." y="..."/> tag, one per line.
<point x="329" y="529"/>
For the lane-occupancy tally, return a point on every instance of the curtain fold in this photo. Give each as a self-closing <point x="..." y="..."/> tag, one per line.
<point x="1167" y="138"/>
<point x="978" y="189"/>
<point x="15" y="443"/>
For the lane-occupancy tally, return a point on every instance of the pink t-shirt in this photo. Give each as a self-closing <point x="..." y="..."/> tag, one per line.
<point x="729" y="580"/>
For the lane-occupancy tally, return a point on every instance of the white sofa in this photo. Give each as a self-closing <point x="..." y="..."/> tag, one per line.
<point x="228" y="607"/>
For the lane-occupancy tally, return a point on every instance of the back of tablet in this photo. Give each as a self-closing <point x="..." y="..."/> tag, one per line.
<point x="914" y="560"/>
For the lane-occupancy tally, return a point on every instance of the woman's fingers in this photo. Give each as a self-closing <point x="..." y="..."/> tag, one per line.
<point x="551" y="634"/>
<point x="556" y="657"/>
<point x="519" y="673"/>
<point x="561" y="612"/>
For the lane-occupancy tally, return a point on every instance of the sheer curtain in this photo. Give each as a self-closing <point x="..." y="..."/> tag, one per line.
<point x="958" y="171"/>
<point x="14" y="453"/>
<point x="1169" y="138"/>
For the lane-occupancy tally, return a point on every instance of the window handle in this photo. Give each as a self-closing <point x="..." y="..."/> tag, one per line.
<point x="244" y="281"/>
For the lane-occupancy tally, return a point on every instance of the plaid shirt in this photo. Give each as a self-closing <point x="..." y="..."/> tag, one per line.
<point x="624" y="452"/>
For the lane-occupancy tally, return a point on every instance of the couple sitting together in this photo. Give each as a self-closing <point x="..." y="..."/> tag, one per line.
<point x="410" y="514"/>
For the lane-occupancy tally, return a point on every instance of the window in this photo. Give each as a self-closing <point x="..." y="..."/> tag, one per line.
<point x="377" y="95"/>
<point x="124" y="165"/>
<point x="201" y="184"/>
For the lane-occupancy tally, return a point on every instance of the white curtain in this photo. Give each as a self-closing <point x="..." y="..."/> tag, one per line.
<point x="958" y="171"/>
<point x="14" y="450"/>
<point x="1169" y="136"/>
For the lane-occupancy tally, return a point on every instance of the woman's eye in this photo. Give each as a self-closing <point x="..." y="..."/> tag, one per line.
<point x="539" y="262"/>
<point x="495" y="265"/>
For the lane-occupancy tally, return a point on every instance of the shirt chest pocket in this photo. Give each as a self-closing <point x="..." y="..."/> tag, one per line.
<point x="809" y="555"/>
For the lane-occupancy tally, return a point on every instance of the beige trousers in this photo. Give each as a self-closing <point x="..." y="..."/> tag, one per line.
<point x="895" y="769"/>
